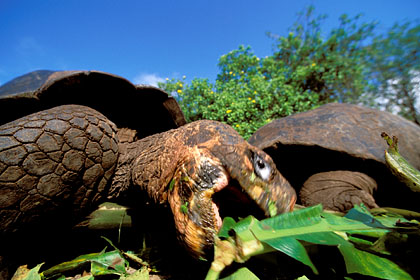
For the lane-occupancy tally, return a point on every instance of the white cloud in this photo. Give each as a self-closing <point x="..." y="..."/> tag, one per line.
<point x="148" y="79"/>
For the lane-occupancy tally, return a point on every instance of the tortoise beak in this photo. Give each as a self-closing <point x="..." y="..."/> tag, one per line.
<point x="272" y="199"/>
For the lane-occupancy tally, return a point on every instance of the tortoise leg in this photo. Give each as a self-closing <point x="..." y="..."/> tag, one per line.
<point x="54" y="162"/>
<point x="338" y="190"/>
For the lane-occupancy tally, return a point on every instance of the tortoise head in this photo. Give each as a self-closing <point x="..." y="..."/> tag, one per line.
<point x="222" y="175"/>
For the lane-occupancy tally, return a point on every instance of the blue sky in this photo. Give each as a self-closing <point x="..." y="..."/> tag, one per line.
<point x="148" y="40"/>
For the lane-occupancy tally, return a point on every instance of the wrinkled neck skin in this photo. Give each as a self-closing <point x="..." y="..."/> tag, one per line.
<point x="147" y="163"/>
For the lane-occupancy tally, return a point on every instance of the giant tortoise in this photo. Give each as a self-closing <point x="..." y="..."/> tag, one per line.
<point x="334" y="155"/>
<point x="86" y="136"/>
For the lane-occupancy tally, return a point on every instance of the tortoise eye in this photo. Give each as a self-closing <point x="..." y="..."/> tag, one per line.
<point x="262" y="169"/>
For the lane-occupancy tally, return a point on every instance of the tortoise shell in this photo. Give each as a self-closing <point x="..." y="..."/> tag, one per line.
<point x="340" y="137"/>
<point x="144" y="109"/>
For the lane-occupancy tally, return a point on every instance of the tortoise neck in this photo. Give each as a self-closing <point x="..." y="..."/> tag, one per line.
<point x="148" y="164"/>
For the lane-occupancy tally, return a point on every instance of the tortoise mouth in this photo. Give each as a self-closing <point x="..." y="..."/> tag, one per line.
<point x="233" y="201"/>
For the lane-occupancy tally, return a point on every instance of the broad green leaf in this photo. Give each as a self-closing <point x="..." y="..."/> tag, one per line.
<point x="98" y="269"/>
<point x="360" y="213"/>
<point x="360" y="241"/>
<point x="112" y="258"/>
<point x="293" y="248"/>
<point x="108" y="263"/>
<point x="303" y="217"/>
<point x="358" y="261"/>
<point x="242" y="274"/>
<point x="69" y="265"/>
<point x="322" y="238"/>
<point x="308" y="224"/>
<point x="106" y="259"/>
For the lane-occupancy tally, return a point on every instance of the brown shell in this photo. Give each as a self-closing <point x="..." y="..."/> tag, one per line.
<point x="146" y="109"/>
<point x="346" y="128"/>
<point x="337" y="137"/>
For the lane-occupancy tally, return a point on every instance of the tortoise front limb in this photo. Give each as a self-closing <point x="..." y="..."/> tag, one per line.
<point x="338" y="190"/>
<point x="54" y="161"/>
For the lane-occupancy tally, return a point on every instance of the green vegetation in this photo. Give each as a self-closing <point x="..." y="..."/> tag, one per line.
<point x="359" y="236"/>
<point x="370" y="245"/>
<point x="306" y="69"/>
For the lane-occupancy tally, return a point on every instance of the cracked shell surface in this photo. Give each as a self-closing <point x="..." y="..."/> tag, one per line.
<point x="48" y="173"/>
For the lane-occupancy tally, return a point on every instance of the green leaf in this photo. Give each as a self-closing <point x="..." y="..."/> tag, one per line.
<point x="305" y="221"/>
<point x="293" y="248"/>
<point x="98" y="269"/>
<point x="302" y="217"/>
<point x="69" y="265"/>
<point x="112" y="259"/>
<point x="322" y="238"/>
<point x="360" y="213"/>
<point x="365" y="263"/>
<point x="242" y="274"/>
<point x="23" y="273"/>
<point x="108" y="216"/>
<point x="227" y="225"/>
<point x="284" y="232"/>
<point x="87" y="277"/>
<point x="108" y="263"/>
<point x="399" y="166"/>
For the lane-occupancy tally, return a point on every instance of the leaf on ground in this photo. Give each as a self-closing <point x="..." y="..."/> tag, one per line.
<point x="23" y="273"/>
<point x="108" y="263"/>
<point x="112" y="261"/>
<point x="242" y="274"/>
<point x="141" y="274"/>
<point x="362" y="262"/>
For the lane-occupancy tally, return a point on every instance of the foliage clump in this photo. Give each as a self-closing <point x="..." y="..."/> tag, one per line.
<point x="306" y="69"/>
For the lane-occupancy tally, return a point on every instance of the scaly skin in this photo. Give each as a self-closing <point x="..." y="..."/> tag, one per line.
<point x="58" y="160"/>
<point x="67" y="156"/>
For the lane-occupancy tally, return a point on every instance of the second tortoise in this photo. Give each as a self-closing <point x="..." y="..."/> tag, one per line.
<point x="334" y="155"/>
